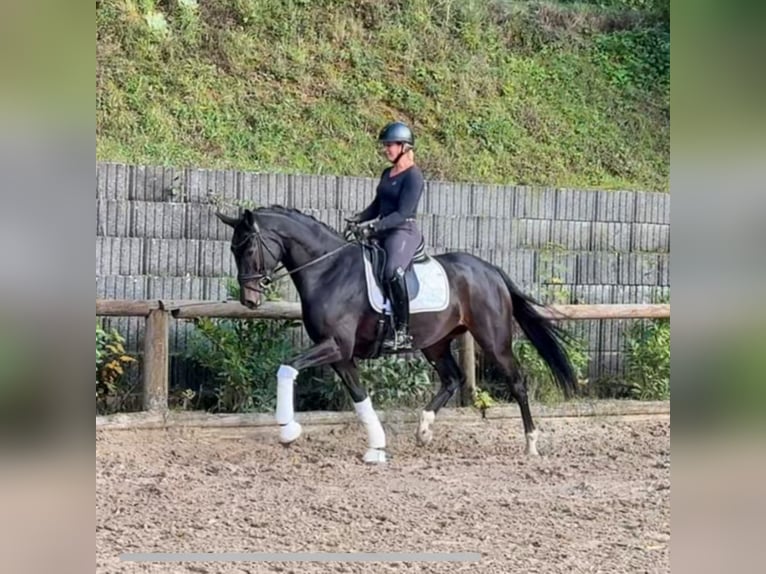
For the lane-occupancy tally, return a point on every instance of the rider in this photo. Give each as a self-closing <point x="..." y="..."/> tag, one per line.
<point x="394" y="209"/>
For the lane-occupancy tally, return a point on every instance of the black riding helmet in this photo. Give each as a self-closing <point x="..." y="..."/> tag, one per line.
<point x="397" y="132"/>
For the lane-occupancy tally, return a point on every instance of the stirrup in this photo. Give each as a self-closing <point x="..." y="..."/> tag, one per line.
<point x="401" y="340"/>
<point x="405" y="343"/>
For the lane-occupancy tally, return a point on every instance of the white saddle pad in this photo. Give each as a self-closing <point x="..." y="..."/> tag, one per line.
<point x="432" y="296"/>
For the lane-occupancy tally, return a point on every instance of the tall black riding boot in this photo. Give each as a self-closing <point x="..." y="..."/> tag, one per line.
<point x="400" y="307"/>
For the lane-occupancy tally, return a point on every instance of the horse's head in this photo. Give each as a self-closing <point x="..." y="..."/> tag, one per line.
<point x="256" y="255"/>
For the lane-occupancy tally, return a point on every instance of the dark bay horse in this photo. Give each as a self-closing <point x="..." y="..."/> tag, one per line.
<point x="328" y="272"/>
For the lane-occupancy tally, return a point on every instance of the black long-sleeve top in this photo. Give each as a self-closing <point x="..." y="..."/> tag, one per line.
<point x="396" y="199"/>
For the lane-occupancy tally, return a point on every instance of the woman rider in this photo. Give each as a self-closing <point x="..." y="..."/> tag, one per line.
<point x="394" y="209"/>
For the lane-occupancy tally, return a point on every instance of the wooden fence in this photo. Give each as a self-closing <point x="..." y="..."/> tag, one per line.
<point x="157" y="314"/>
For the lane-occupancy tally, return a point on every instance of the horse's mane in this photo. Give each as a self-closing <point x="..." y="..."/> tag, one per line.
<point x="290" y="211"/>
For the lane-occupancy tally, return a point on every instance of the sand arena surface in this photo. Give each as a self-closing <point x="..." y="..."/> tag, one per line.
<point x="597" y="500"/>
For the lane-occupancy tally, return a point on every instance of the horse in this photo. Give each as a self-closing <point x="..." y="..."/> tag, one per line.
<point x="328" y="271"/>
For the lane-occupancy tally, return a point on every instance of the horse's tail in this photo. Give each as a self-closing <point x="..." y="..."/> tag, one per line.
<point x="544" y="335"/>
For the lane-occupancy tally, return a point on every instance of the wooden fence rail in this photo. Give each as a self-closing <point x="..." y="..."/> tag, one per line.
<point x="159" y="312"/>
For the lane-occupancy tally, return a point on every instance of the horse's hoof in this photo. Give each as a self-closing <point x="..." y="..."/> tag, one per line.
<point x="289" y="433"/>
<point x="424" y="436"/>
<point x="531" y="449"/>
<point x="375" y="456"/>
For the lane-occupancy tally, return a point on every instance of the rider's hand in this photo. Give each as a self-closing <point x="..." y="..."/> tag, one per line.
<point x="351" y="229"/>
<point x="367" y="231"/>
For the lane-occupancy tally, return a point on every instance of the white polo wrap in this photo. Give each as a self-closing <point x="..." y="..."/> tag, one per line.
<point x="285" y="382"/>
<point x="368" y="416"/>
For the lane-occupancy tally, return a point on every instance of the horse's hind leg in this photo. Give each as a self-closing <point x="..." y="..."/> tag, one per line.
<point x="518" y="387"/>
<point x="499" y="350"/>
<point x="452" y="378"/>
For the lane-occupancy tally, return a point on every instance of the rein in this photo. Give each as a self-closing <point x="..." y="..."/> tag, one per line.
<point x="266" y="279"/>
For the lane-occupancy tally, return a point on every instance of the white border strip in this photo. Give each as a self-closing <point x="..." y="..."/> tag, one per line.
<point x="302" y="557"/>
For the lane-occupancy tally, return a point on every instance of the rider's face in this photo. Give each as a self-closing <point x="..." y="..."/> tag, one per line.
<point x="392" y="150"/>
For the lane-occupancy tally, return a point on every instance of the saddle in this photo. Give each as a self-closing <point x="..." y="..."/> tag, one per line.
<point x="427" y="288"/>
<point x="427" y="284"/>
<point x="376" y="255"/>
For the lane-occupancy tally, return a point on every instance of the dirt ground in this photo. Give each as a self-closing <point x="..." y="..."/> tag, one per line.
<point x="597" y="500"/>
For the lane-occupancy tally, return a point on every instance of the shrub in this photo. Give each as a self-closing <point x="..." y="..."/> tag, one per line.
<point x="390" y="382"/>
<point x="483" y="401"/>
<point x="647" y="350"/>
<point x="541" y="386"/>
<point x="243" y="357"/>
<point x="635" y="60"/>
<point x="395" y="382"/>
<point x="112" y="386"/>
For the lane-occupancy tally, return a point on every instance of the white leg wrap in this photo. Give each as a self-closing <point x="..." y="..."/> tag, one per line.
<point x="375" y="434"/>
<point x="290" y="430"/>
<point x="425" y="434"/>
<point x="532" y="443"/>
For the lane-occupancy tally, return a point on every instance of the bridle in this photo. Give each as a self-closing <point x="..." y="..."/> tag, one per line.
<point x="264" y="279"/>
<point x="267" y="278"/>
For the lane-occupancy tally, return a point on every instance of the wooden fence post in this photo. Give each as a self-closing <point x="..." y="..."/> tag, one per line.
<point x="155" y="392"/>
<point x="467" y="357"/>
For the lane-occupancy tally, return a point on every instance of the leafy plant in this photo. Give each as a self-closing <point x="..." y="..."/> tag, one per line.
<point x="390" y="382"/>
<point x="647" y="351"/>
<point x="635" y="60"/>
<point x="483" y="401"/>
<point x="111" y="364"/>
<point x="541" y="385"/>
<point x="396" y="382"/>
<point x="243" y="357"/>
<point x="183" y="399"/>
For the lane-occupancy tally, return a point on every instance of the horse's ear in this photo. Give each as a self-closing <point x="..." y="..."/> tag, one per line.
<point x="230" y="221"/>
<point x="249" y="218"/>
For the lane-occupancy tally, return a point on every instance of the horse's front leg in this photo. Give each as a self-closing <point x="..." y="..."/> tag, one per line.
<point x="376" y="436"/>
<point x="323" y="353"/>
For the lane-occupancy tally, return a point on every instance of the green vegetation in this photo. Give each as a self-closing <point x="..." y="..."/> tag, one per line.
<point x="556" y="93"/>
<point x="541" y="386"/>
<point x="114" y="389"/>
<point x="391" y="382"/>
<point x="647" y="351"/>
<point x="243" y="357"/>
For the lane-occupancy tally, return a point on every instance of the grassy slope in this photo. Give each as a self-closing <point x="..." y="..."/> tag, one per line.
<point x="498" y="91"/>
